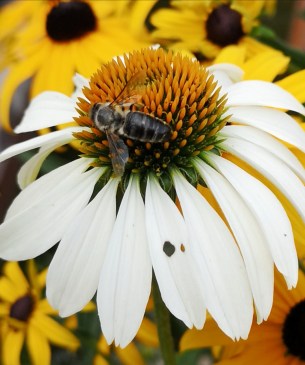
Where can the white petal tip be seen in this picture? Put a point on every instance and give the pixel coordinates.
(18, 129)
(66, 313)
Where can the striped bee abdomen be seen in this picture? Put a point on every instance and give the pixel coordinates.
(145, 128)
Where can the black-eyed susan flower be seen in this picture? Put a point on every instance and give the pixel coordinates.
(50, 40)
(25, 318)
(111, 245)
(200, 26)
(280, 340)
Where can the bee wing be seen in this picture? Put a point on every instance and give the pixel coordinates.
(118, 153)
(133, 90)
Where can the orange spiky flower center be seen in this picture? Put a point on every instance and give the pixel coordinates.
(176, 90)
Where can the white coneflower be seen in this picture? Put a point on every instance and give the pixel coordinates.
(199, 260)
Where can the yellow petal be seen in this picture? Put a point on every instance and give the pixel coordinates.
(11, 348)
(211, 199)
(270, 6)
(90, 307)
(264, 332)
(34, 277)
(265, 66)
(16, 276)
(253, 46)
(71, 322)
(54, 332)
(44, 306)
(295, 85)
(99, 360)
(232, 350)
(150, 305)
(4, 309)
(299, 292)
(103, 9)
(7, 290)
(31, 271)
(139, 13)
(232, 54)
(13, 14)
(129, 355)
(56, 70)
(42, 277)
(250, 8)
(148, 334)
(167, 21)
(211, 335)
(265, 353)
(17, 74)
(103, 346)
(34, 29)
(38, 347)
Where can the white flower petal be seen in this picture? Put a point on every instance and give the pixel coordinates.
(41, 225)
(222, 80)
(267, 142)
(275, 122)
(226, 287)
(268, 211)
(30, 169)
(48, 109)
(227, 71)
(263, 93)
(272, 168)
(125, 281)
(250, 238)
(46, 184)
(74, 272)
(80, 82)
(61, 137)
(177, 273)
(154, 46)
(225, 74)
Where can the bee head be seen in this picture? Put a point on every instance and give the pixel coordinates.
(102, 115)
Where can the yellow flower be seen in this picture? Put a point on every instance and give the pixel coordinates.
(203, 27)
(25, 318)
(54, 39)
(279, 341)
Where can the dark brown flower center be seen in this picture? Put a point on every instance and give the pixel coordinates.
(22, 308)
(224, 26)
(294, 331)
(70, 20)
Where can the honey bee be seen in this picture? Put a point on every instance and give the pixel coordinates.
(117, 120)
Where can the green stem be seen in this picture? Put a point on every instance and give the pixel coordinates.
(163, 324)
